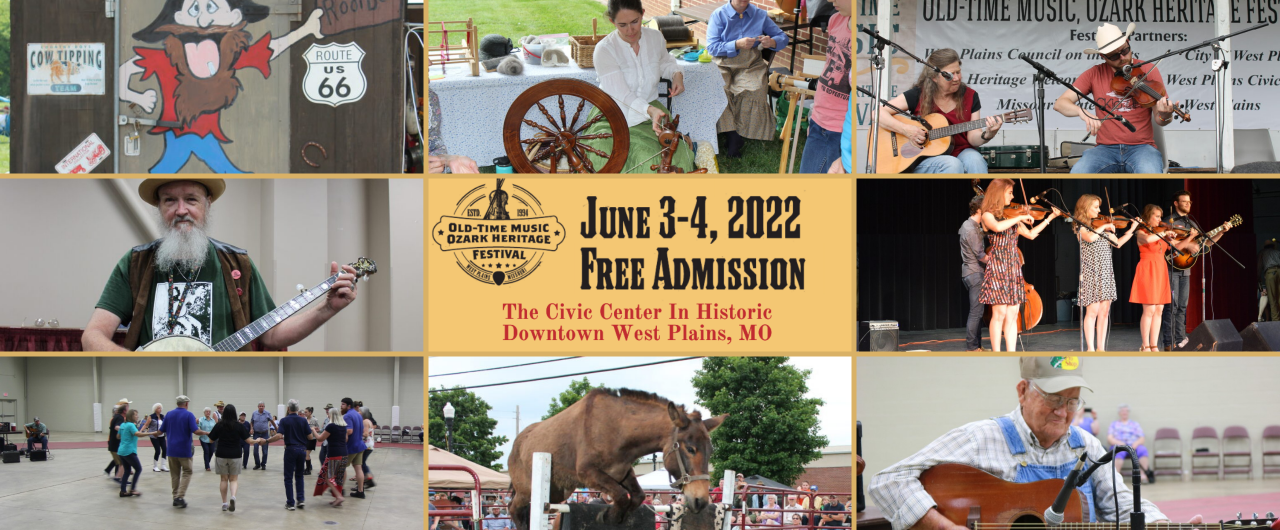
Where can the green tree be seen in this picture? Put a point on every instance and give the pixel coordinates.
(473, 437)
(577, 390)
(772, 429)
(4, 48)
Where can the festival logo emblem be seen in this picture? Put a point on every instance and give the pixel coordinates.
(498, 236)
(1065, 363)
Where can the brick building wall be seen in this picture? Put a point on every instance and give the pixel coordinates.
(654, 8)
(835, 479)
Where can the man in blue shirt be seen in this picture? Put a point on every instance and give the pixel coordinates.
(492, 521)
(736, 35)
(179, 425)
(262, 425)
(295, 431)
(355, 442)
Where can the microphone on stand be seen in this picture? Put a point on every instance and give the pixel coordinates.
(1126, 123)
(1040, 196)
(1037, 65)
(1053, 514)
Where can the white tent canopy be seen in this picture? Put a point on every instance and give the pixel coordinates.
(489, 479)
(657, 480)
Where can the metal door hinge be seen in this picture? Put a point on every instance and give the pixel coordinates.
(111, 8)
(293, 10)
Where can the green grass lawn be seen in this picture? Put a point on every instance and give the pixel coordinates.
(4, 154)
(518, 19)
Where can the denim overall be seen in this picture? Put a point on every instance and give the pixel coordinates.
(1034, 472)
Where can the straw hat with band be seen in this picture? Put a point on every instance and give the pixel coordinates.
(1109, 39)
(1054, 374)
(150, 188)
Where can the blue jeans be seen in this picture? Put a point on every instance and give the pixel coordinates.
(262, 462)
(244, 448)
(295, 458)
(973, 328)
(1173, 323)
(820, 149)
(42, 440)
(364, 463)
(968, 161)
(1121, 159)
(131, 463)
(178, 150)
(207, 447)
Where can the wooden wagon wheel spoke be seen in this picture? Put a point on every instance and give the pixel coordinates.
(531, 123)
(546, 113)
(564, 123)
(544, 151)
(594, 150)
(583, 157)
(589, 123)
(581, 103)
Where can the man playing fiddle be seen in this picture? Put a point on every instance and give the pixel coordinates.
(1118, 150)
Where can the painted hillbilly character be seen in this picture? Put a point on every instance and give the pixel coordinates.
(204, 45)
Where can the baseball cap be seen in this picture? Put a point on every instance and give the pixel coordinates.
(328, 406)
(1054, 374)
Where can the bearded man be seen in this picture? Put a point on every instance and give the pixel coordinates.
(187, 283)
(205, 44)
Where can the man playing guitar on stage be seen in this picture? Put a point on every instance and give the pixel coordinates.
(1118, 150)
(1033, 442)
(1173, 324)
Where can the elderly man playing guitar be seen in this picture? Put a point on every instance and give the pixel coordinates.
(1033, 443)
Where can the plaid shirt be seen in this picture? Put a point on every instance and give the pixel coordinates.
(981, 444)
(1127, 432)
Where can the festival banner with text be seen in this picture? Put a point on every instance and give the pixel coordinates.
(991, 34)
(685, 264)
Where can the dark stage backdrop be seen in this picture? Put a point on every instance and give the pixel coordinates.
(909, 251)
(1231, 291)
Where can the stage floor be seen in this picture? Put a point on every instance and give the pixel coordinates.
(70, 492)
(1063, 336)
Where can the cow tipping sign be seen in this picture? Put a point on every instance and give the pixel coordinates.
(72, 69)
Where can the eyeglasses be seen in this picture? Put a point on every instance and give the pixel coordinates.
(1117, 55)
(1056, 402)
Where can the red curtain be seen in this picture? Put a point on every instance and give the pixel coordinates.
(1229, 291)
(44, 339)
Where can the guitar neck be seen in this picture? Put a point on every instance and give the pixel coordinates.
(952, 130)
(270, 320)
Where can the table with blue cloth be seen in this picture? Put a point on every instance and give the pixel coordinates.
(475, 108)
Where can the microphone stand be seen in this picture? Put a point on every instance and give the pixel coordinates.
(886, 103)
(1138, 219)
(1037, 81)
(1047, 74)
(1206, 245)
(1220, 61)
(1137, 520)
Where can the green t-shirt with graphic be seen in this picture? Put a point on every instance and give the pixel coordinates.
(206, 312)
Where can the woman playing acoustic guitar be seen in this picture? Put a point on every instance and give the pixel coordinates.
(1002, 285)
(959, 103)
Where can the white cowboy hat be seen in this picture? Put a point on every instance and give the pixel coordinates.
(1109, 39)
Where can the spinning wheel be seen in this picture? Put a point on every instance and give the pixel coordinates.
(562, 138)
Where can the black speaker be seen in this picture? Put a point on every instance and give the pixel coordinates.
(9, 447)
(10, 457)
(1214, 335)
(39, 455)
(878, 335)
(1257, 167)
(862, 501)
(1261, 336)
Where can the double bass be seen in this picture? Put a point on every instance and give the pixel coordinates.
(1030, 312)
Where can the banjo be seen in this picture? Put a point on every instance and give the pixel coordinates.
(184, 343)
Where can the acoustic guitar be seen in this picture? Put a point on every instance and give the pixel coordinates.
(183, 343)
(897, 154)
(32, 431)
(1186, 260)
(976, 499)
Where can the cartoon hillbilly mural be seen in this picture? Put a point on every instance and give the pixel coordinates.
(205, 44)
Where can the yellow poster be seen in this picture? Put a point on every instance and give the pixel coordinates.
(639, 264)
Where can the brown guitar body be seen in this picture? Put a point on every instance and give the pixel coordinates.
(967, 495)
(896, 153)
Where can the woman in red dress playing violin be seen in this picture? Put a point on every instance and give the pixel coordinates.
(1151, 281)
(1002, 285)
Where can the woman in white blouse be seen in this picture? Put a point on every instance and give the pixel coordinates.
(630, 61)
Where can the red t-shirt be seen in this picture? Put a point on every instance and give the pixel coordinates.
(154, 61)
(959, 142)
(1096, 81)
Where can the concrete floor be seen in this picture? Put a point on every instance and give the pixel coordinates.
(70, 492)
